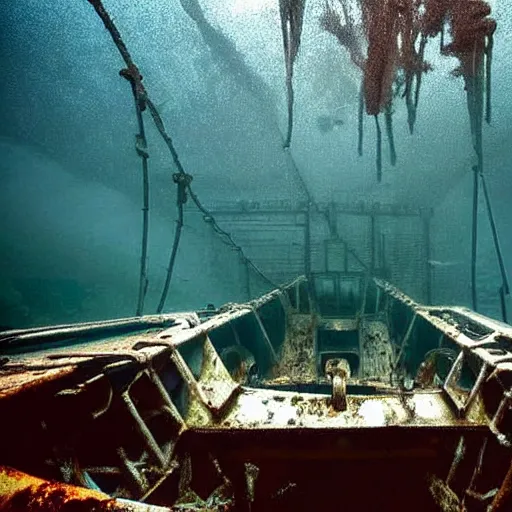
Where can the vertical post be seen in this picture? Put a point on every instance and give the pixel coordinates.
(427, 241)
(474, 239)
(307, 257)
(307, 242)
(377, 300)
(372, 244)
(333, 220)
(247, 279)
(383, 252)
(326, 256)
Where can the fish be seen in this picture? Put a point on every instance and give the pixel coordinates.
(437, 263)
(328, 123)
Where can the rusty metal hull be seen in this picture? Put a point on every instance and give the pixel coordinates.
(236, 410)
(20, 492)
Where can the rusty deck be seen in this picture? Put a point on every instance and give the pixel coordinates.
(179, 412)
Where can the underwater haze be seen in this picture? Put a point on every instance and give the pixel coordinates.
(71, 187)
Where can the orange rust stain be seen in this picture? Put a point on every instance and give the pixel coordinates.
(16, 383)
(22, 492)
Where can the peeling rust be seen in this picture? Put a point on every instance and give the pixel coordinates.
(444, 497)
(377, 350)
(20, 492)
(297, 361)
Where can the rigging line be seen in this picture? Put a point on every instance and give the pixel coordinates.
(141, 148)
(230, 241)
(474, 83)
(143, 279)
(161, 128)
(133, 76)
(145, 101)
(167, 139)
(497, 246)
(181, 181)
(193, 10)
(474, 239)
(488, 64)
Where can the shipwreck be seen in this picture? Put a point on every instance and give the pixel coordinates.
(337, 384)
(288, 401)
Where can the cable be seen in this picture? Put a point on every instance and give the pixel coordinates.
(182, 180)
(141, 147)
(143, 102)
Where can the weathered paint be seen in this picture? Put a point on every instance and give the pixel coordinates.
(269, 409)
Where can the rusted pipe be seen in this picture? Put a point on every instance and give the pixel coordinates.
(495, 424)
(457, 459)
(149, 441)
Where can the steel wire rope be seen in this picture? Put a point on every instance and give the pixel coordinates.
(141, 148)
(184, 181)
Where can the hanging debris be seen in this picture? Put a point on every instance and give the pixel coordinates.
(411, 60)
(388, 115)
(472, 40)
(388, 45)
(378, 156)
(360, 123)
(472, 33)
(292, 13)
(348, 34)
(381, 29)
(377, 68)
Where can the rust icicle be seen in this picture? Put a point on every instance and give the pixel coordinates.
(292, 13)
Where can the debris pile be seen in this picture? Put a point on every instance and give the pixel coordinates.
(377, 351)
(297, 361)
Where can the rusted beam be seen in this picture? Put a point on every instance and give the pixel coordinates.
(503, 500)
(21, 492)
(406, 339)
(147, 437)
(266, 337)
(17, 336)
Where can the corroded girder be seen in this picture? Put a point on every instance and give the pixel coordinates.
(20, 492)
